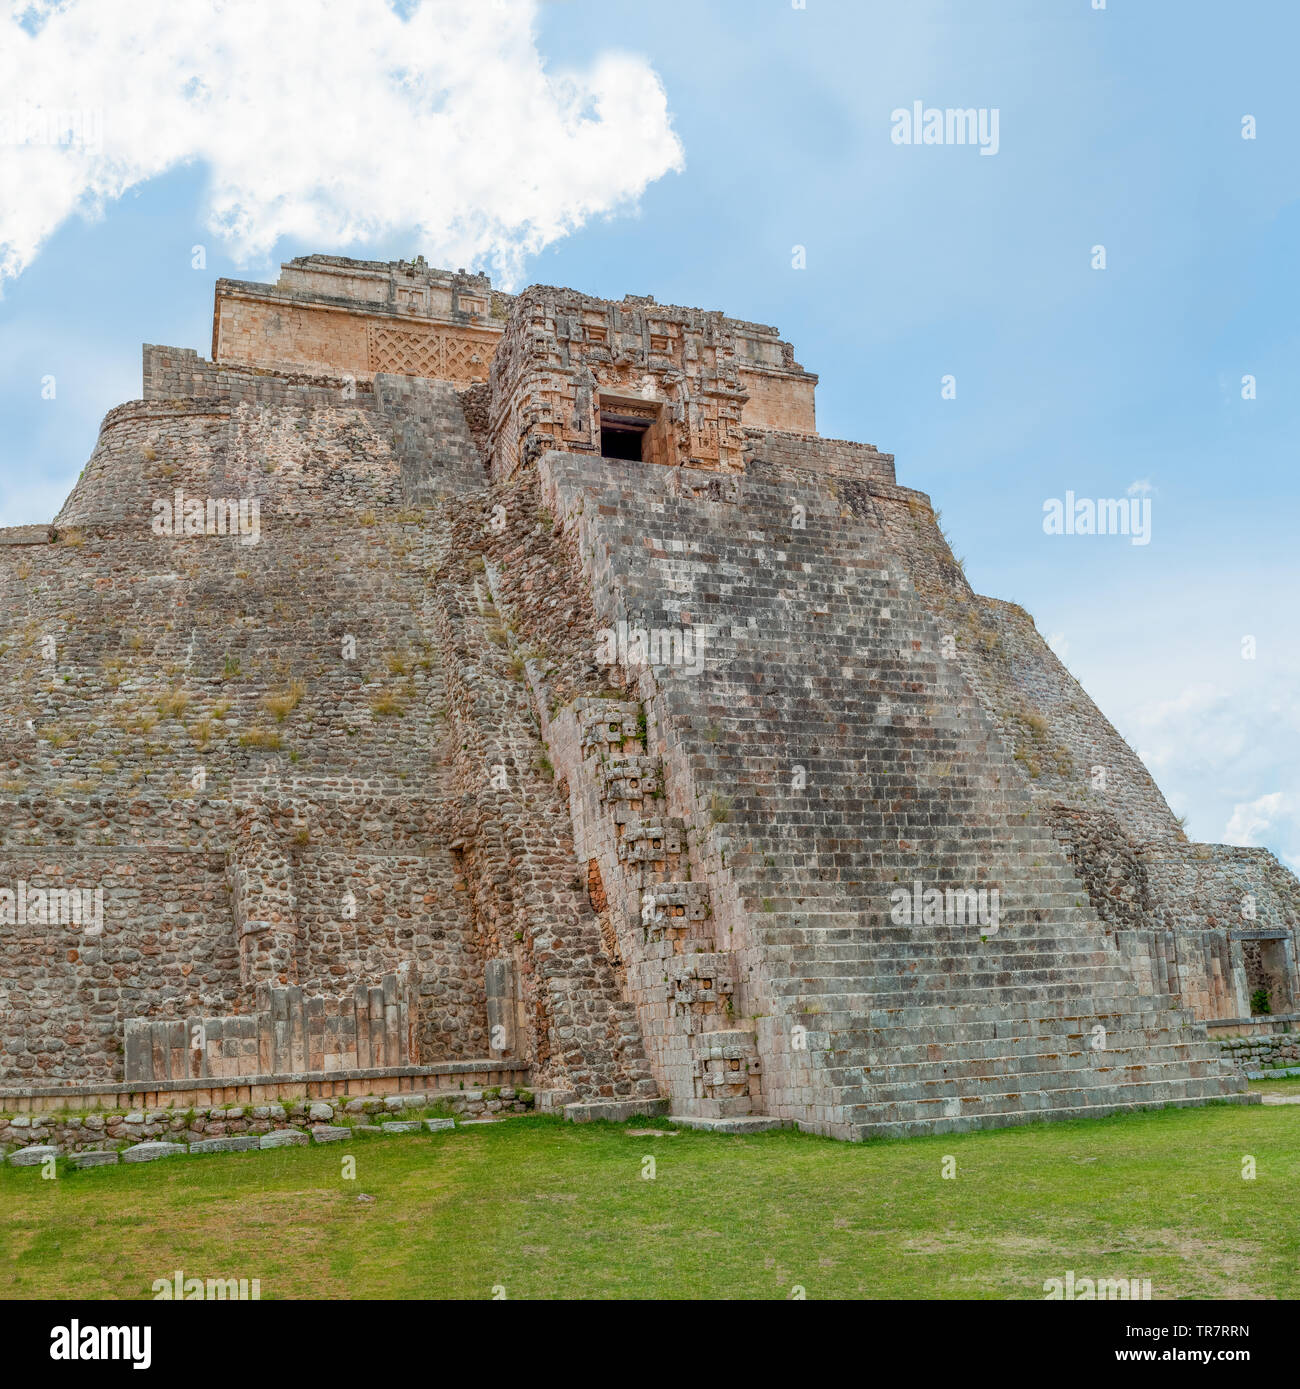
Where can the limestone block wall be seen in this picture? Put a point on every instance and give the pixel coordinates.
(229, 737)
(409, 909)
(248, 330)
(233, 1109)
(781, 394)
(778, 400)
(187, 930)
(1235, 888)
(1202, 968)
(1185, 900)
(275, 336)
(1263, 1051)
(139, 659)
(793, 454)
(359, 318)
(288, 1033)
(1250, 906)
(411, 285)
(339, 882)
(1097, 766)
(294, 460)
(435, 449)
(179, 373)
(1214, 921)
(142, 666)
(163, 943)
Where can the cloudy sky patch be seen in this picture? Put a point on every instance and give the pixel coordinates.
(330, 123)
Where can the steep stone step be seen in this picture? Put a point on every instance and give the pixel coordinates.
(821, 660)
(1017, 1112)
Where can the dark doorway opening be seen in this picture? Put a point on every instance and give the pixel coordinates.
(623, 438)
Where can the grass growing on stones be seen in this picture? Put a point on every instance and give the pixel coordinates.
(548, 1209)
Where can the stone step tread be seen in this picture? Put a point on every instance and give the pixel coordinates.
(874, 1091)
(1045, 1098)
(918, 1127)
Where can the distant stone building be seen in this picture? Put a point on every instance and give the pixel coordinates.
(444, 688)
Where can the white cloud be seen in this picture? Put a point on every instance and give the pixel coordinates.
(1219, 752)
(329, 121)
(1252, 819)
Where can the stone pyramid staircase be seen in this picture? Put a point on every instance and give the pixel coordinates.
(664, 938)
(854, 760)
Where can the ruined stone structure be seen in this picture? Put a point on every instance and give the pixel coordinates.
(444, 688)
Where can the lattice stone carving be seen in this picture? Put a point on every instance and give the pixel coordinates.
(410, 352)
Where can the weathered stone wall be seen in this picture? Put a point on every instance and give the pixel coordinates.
(1064, 747)
(1214, 921)
(498, 609)
(114, 1129)
(1231, 887)
(180, 374)
(435, 449)
(1272, 1052)
(295, 460)
(377, 733)
(165, 945)
(795, 454)
(360, 318)
(566, 357)
(280, 711)
(371, 1025)
(1108, 863)
(778, 400)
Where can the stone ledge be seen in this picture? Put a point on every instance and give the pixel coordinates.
(615, 1111)
(241, 1143)
(1257, 1020)
(284, 1138)
(33, 1156)
(27, 535)
(207, 1091)
(218, 1129)
(106, 1157)
(37, 1154)
(151, 1152)
(745, 1123)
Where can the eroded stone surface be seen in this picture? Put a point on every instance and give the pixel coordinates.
(93, 1159)
(151, 1152)
(33, 1155)
(566, 707)
(238, 1144)
(284, 1138)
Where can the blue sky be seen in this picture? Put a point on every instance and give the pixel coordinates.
(1119, 127)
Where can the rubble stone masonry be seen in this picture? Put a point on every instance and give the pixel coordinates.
(440, 682)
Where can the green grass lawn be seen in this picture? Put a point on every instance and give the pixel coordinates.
(547, 1209)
